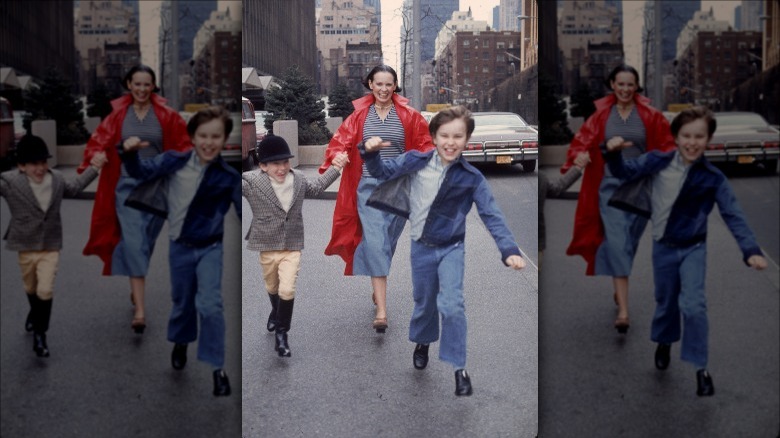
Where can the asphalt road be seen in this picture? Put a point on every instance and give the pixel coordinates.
(101, 378)
(343, 379)
(594, 382)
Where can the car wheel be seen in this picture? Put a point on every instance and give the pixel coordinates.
(528, 166)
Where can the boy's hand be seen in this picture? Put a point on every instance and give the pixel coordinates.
(375, 143)
(582, 159)
(134, 143)
(340, 160)
(98, 160)
(617, 143)
(515, 262)
(757, 262)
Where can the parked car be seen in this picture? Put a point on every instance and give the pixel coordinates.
(427, 115)
(503, 138)
(248, 135)
(232, 152)
(744, 138)
(260, 129)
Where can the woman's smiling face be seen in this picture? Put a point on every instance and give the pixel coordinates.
(382, 87)
(624, 87)
(141, 86)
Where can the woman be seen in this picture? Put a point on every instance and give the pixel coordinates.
(124, 237)
(604, 236)
(363, 236)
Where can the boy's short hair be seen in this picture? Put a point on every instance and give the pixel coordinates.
(208, 114)
(688, 115)
(449, 114)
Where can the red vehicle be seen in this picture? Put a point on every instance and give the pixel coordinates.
(248, 134)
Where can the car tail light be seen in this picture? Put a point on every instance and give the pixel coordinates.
(232, 147)
(531, 144)
(715, 146)
(771, 144)
(475, 146)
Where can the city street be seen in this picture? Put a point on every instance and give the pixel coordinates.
(101, 378)
(343, 379)
(599, 383)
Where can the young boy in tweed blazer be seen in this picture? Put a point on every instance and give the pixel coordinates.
(275, 193)
(34, 194)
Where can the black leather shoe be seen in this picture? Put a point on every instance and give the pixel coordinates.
(704, 385)
(221, 383)
(179, 356)
(39, 345)
(462, 383)
(271, 324)
(662, 356)
(281, 344)
(420, 356)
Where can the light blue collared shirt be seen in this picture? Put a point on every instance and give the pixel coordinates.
(666, 187)
(182, 186)
(425, 186)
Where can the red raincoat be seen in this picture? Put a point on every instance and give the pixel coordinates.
(588, 228)
(347, 231)
(104, 233)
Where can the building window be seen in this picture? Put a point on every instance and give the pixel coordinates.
(485, 69)
(466, 43)
(500, 45)
(466, 69)
(485, 43)
(485, 56)
(466, 56)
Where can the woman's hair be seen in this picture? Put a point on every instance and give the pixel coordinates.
(382, 68)
(623, 68)
(449, 114)
(144, 69)
(208, 114)
(692, 114)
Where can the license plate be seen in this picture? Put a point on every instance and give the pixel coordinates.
(504, 159)
(745, 159)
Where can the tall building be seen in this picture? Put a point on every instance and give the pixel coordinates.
(343, 22)
(771, 31)
(581, 23)
(192, 14)
(460, 22)
(507, 15)
(750, 12)
(98, 23)
(361, 58)
(266, 34)
(33, 37)
(702, 21)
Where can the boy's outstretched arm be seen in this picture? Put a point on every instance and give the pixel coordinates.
(496, 225)
(145, 169)
(77, 184)
(735, 220)
(318, 185)
(515, 262)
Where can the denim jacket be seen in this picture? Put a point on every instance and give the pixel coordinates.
(219, 187)
(704, 186)
(463, 186)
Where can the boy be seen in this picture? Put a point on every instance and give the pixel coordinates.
(34, 194)
(276, 194)
(201, 187)
(685, 187)
(435, 191)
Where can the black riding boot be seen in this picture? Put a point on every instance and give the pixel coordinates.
(40, 326)
(283, 317)
(33, 300)
(272, 320)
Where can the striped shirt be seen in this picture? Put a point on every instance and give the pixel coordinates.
(389, 129)
(632, 129)
(147, 130)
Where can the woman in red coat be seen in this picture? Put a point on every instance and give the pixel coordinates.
(124, 237)
(363, 236)
(604, 236)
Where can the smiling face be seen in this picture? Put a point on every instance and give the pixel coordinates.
(451, 139)
(209, 139)
(382, 87)
(277, 170)
(692, 139)
(35, 170)
(624, 87)
(141, 86)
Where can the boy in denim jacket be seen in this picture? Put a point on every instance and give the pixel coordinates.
(435, 191)
(685, 188)
(201, 187)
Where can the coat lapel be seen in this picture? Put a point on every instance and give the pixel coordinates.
(24, 187)
(264, 184)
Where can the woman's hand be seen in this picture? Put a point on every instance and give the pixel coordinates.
(617, 143)
(581, 160)
(375, 143)
(515, 262)
(98, 160)
(340, 160)
(134, 143)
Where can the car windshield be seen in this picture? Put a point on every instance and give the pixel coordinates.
(740, 120)
(493, 121)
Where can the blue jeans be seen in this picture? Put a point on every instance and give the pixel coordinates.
(437, 279)
(679, 289)
(196, 280)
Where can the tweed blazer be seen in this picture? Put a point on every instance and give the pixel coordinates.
(30, 228)
(272, 228)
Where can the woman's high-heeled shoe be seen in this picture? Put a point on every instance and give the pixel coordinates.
(380, 325)
(622, 325)
(138, 325)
